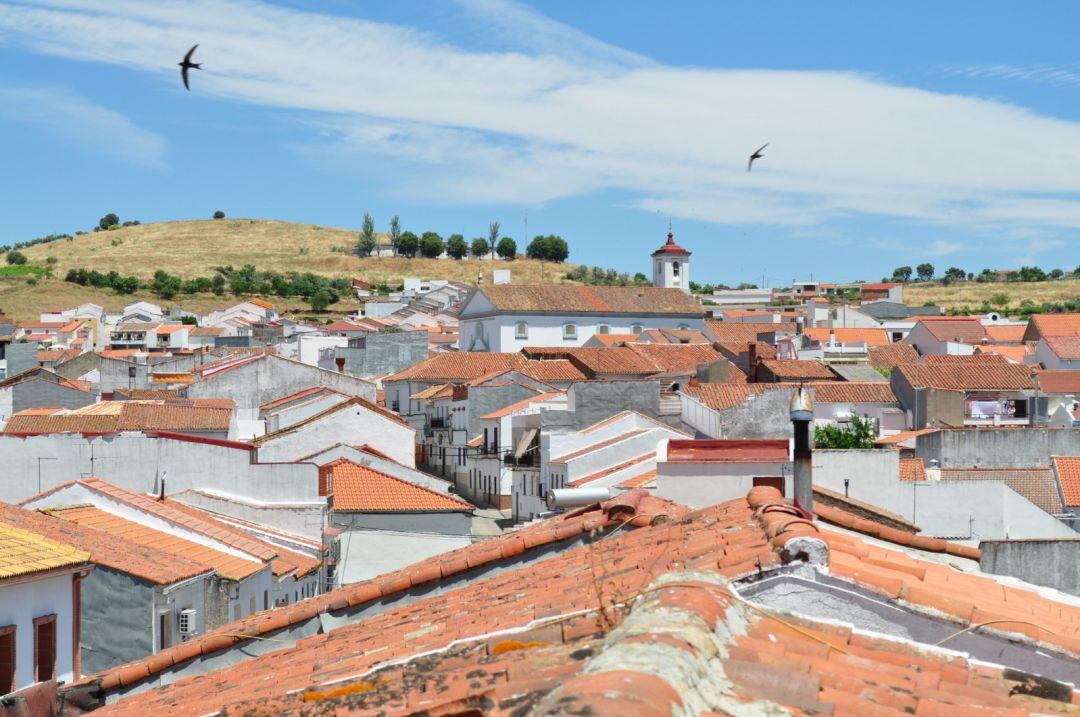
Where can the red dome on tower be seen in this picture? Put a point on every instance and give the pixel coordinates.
(670, 247)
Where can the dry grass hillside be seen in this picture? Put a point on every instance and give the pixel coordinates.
(194, 248)
(972, 294)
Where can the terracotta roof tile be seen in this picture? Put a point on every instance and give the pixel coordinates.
(722, 396)
(1008, 334)
(458, 366)
(790, 369)
(761, 450)
(633, 624)
(25, 553)
(1041, 325)
(885, 358)
(733, 331)
(1066, 348)
(552, 370)
(1035, 484)
(397, 628)
(226, 565)
(1067, 469)
(360, 489)
(570, 299)
(853, 392)
(1060, 381)
(912, 469)
(951, 328)
(870, 337)
(973, 376)
(523, 404)
(104, 548)
(964, 359)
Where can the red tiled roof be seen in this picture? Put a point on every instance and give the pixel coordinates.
(972, 376)
(1067, 469)
(547, 640)
(912, 469)
(761, 450)
(1042, 325)
(458, 366)
(228, 566)
(978, 358)
(729, 331)
(343, 325)
(1010, 333)
(614, 339)
(678, 358)
(570, 299)
(172, 417)
(206, 331)
(166, 329)
(885, 358)
(630, 510)
(721, 396)
(184, 518)
(524, 403)
(1066, 348)
(1035, 484)
(552, 370)
(360, 489)
(903, 436)
(598, 362)
(791, 369)
(853, 392)
(1060, 381)
(967, 330)
(670, 247)
(1014, 354)
(870, 337)
(157, 566)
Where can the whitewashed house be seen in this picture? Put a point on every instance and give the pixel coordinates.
(39, 613)
(700, 473)
(508, 318)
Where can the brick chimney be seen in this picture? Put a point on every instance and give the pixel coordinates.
(751, 360)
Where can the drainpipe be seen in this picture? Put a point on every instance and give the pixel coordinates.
(802, 414)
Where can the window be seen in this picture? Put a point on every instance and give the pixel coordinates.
(266, 599)
(684, 327)
(569, 331)
(164, 630)
(44, 648)
(7, 659)
(603, 329)
(521, 330)
(674, 268)
(637, 329)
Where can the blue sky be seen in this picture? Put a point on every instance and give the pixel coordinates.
(947, 132)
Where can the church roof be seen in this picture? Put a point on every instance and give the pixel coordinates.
(670, 247)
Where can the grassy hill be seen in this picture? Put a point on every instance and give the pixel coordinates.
(193, 248)
(972, 295)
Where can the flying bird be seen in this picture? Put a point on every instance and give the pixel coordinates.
(186, 65)
(756, 155)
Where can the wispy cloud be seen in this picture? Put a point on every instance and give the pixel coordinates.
(940, 247)
(70, 116)
(1060, 75)
(557, 113)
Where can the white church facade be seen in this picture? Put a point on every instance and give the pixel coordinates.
(508, 318)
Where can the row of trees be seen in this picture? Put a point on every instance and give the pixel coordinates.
(926, 272)
(318, 290)
(107, 222)
(431, 245)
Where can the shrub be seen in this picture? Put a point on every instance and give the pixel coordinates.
(109, 220)
(320, 300)
(860, 434)
(15, 257)
(219, 214)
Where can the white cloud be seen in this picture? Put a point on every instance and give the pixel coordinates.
(565, 114)
(75, 118)
(944, 248)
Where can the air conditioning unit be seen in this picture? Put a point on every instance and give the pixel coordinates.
(187, 621)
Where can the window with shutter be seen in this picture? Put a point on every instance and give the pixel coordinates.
(44, 648)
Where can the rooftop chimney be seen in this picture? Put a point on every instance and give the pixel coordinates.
(340, 361)
(802, 414)
(751, 360)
